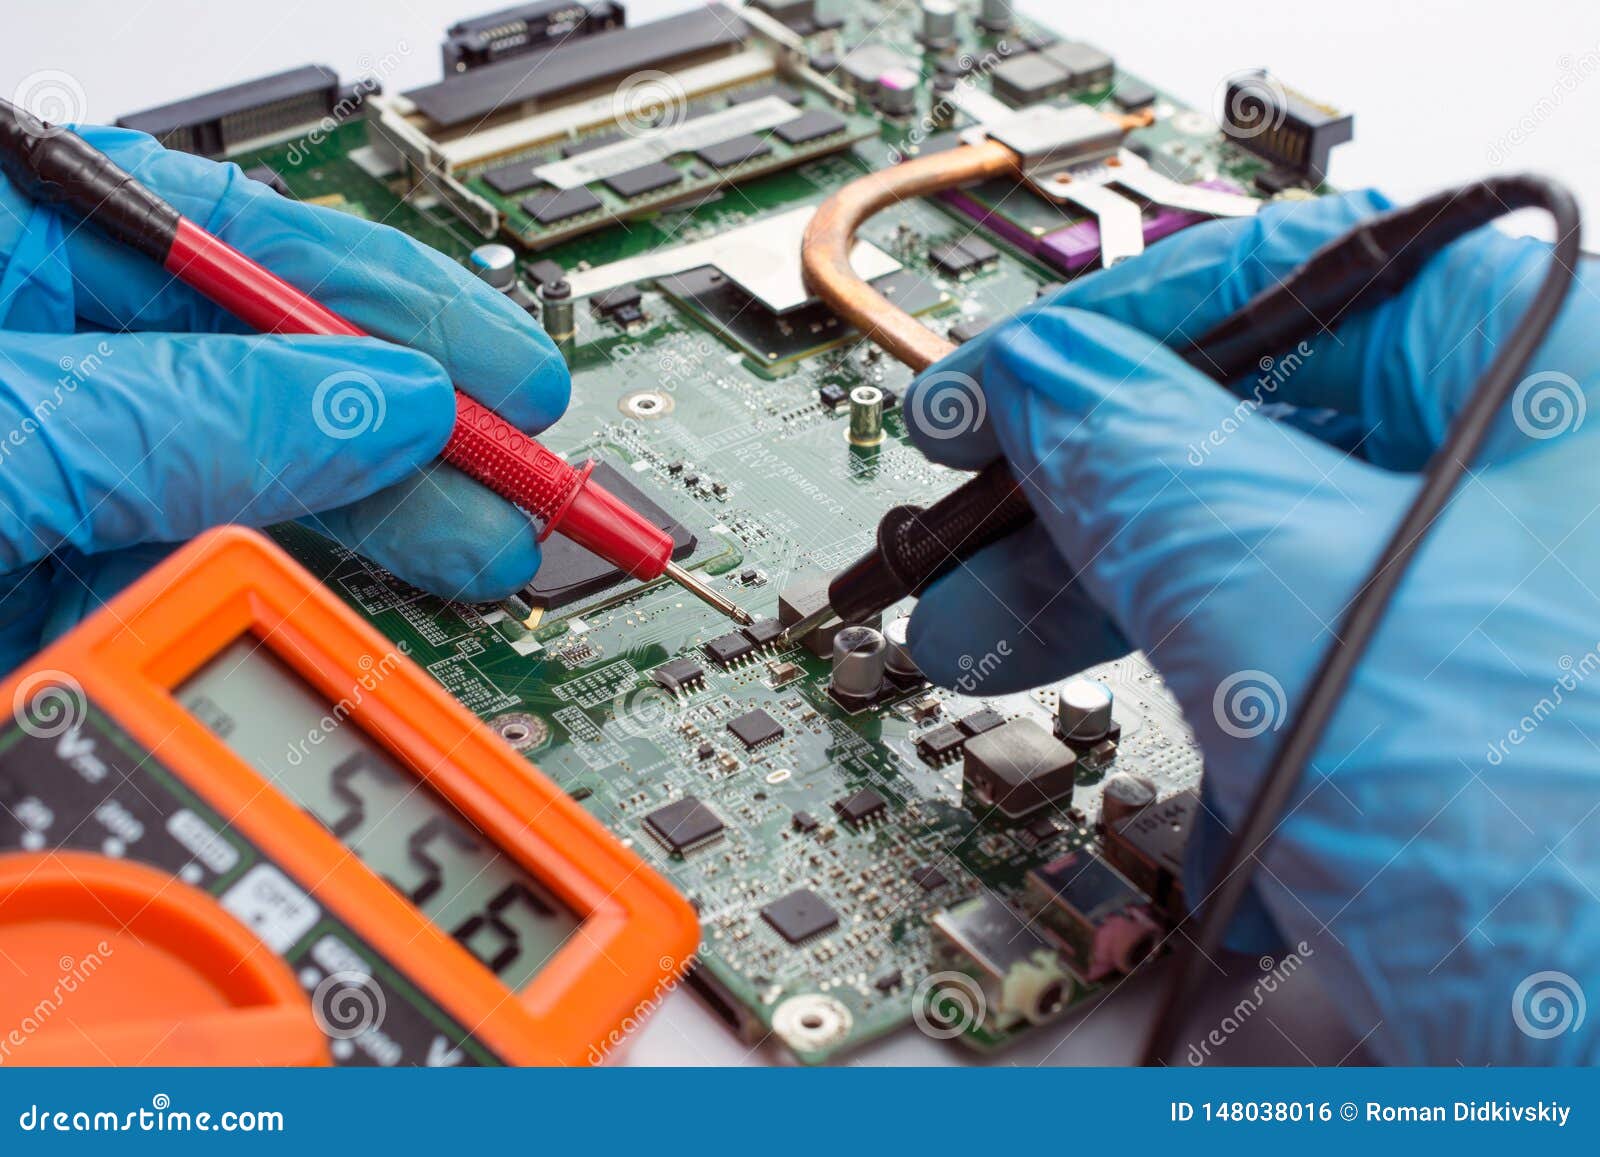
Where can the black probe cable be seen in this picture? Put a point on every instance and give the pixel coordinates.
(1392, 248)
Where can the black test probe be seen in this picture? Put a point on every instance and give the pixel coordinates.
(917, 545)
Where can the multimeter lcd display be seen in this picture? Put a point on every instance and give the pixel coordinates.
(320, 758)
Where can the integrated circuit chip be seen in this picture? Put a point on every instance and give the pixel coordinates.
(544, 271)
(729, 648)
(676, 674)
(800, 915)
(590, 143)
(811, 125)
(963, 257)
(763, 631)
(754, 728)
(645, 179)
(726, 154)
(964, 331)
(1131, 95)
(684, 824)
(985, 719)
(549, 206)
(568, 573)
(928, 878)
(512, 178)
(861, 806)
(940, 742)
(761, 91)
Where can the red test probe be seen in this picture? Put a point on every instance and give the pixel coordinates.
(58, 167)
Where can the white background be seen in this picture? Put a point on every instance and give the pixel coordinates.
(1442, 91)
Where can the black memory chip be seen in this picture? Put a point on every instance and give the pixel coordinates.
(726, 154)
(761, 91)
(512, 178)
(809, 126)
(683, 824)
(644, 179)
(551, 206)
(754, 728)
(568, 573)
(800, 915)
(590, 144)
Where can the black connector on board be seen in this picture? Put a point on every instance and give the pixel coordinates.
(214, 123)
(523, 28)
(1293, 132)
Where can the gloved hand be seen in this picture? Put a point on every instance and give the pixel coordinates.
(135, 414)
(1442, 857)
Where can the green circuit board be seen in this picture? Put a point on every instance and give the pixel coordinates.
(776, 491)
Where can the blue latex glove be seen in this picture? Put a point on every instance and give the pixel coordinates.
(134, 414)
(1444, 850)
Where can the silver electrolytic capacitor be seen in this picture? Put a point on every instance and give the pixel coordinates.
(1125, 795)
(866, 416)
(1083, 710)
(557, 315)
(897, 92)
(899, 662)
(495, 265)
(996, 16)
(859, 657)
(938, 23)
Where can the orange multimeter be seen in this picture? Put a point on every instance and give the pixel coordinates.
(239, 827)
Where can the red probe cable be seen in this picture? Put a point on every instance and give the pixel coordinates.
(62, 168)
